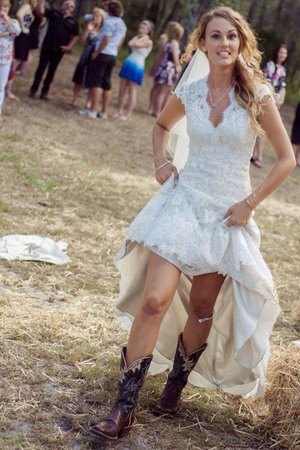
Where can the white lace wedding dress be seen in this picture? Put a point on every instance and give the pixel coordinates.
(184, 223)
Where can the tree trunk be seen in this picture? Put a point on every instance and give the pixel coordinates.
(177, 12)
(80, 9)
(252, 11)
(191, 20)
(279, 9)
(262, 16)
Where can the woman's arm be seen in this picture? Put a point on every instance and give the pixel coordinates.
(137, 42)
(21, 13)
(171, 114)
(271, 123)
(175, 53)
(87, 30)
(275, 131)
(71, 44)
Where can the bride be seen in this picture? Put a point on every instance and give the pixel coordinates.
(194, 287)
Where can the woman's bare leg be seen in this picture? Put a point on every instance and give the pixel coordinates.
(151, 98)
(162, 91)
(9, 93)
(124, 83)
(95, 97)
(76, 92)
(161, 282)
(132, 98)
(204, 292)
(88, 102)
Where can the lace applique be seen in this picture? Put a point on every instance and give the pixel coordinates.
(264, 92)
(180, 93)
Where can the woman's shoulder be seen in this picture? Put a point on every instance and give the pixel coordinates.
(263, 90)
(189, 90)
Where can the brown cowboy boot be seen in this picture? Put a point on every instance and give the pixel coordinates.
(121, 418)
(169, 400)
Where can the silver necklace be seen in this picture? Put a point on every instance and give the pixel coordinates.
(214, 104)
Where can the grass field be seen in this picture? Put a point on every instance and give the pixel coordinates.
(83, 181)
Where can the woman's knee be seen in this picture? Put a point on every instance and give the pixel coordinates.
(202, 306)
(154, 305)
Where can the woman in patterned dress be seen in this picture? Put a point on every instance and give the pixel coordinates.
(169, 68)
(275, 72)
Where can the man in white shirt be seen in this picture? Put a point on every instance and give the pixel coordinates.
(103, 60)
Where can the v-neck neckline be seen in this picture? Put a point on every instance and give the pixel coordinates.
(209, 108)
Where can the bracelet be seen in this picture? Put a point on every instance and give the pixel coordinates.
(249, 203)
(163, 165)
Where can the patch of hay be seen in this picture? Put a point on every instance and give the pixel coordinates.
(282, 424)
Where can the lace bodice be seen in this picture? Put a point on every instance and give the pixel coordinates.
(219, 156)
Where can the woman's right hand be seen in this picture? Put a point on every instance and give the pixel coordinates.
(163, 174)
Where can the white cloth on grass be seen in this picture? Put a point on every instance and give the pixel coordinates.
(33, 248)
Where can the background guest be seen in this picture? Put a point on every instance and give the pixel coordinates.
(275, 72)
(132, 70)
(62, 35)
(296, 135)
(9, 29)
(163, 38)
(104, 59)
(168, 68)
(22, 43)
(89, 37)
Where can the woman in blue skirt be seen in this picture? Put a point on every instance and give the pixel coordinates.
(132, 70)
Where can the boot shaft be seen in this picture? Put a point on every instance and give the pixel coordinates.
(184, 364)
(131, 380)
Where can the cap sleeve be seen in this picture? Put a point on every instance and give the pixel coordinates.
(181, 92)
(264, 91)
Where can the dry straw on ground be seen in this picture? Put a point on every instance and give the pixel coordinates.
(281, 424)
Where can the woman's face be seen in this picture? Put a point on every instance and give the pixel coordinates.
(282, 55)
(97, 19)
(221, 42)
(4, 8)
(143, 29)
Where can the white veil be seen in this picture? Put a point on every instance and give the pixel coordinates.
(179, 141)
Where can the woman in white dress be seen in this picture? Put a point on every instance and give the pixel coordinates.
(191, 271)
(132, 70)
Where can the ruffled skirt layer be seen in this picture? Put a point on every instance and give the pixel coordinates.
(186, 227)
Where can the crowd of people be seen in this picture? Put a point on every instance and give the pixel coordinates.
(102, 37)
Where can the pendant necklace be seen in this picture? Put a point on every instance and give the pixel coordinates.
(214, 104)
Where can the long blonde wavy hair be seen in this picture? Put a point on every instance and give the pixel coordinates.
(247, 72)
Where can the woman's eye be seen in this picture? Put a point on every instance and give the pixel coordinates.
(232, 36)
(215, 36)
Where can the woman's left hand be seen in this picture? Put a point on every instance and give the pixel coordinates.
(239, 214)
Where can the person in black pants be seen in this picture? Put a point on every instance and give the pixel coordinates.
(61, 36)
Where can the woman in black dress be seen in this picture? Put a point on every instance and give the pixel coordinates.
(296, 135)
(89, 37)
(22, 43)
